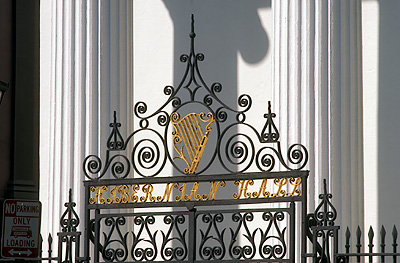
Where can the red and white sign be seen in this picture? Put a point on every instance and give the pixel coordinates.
(21, 227)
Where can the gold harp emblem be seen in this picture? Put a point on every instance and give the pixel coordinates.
(194, 137)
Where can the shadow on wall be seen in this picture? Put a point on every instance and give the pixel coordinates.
(388, 112)
(224, 29)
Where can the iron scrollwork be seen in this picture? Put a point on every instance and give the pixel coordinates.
(233, 151)
(120, 244)
(138, 252)
(115, 249)
(207, 252)
(273, 250)
(325, 213)
(174, 252)
(237, 251)
(254, 235)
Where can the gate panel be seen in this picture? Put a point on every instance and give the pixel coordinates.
(259, 235)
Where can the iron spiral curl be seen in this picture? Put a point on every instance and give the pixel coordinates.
(115, 249)
(239, 251)
(148, 155)
(140, 108)
(177, 252)
(277, 247)
(92, 166)
(325, 214)
(69, 220)
(238, 151)
(139, 252)
(221, 114)
(207, 252)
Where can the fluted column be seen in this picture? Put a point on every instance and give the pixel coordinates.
(86, 62)
(318, 95)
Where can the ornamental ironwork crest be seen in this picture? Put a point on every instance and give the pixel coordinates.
(195, 151)
(236, 145)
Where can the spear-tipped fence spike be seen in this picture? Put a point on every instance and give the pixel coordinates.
(358, 237)
(348, 235)
(40, 245)
(370, 234)
(394, 234)
(371, 240)
(50, 240)
(358, 233)
(383, 234)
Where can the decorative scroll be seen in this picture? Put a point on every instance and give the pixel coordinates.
(237, 251)
(170, 251)
(256, 235)
(273, 246)
(184, 191)
(217, 251)
(115, 140)
(144, 249)
(325, 213)
(69, 220)
(270, 132)
(189, 131)
(147, 150)
(142, 244)
(115, 248)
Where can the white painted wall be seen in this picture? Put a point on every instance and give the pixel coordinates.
(381, 60)
(370, 29)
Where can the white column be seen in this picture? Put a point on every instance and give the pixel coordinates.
(318, 95)
(86, 69)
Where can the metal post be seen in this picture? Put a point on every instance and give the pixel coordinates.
(96, 239)
(292, 232)
(87, 227)
(304, 221)
(192, 235)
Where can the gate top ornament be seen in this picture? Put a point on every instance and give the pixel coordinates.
(234, 147)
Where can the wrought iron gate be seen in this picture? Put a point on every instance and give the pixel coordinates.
(195, 183)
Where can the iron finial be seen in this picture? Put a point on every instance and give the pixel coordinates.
(270, 133)
(192, 34)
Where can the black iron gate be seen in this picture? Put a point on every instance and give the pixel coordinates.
(195, 182)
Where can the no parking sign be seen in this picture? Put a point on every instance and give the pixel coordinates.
(21, 227)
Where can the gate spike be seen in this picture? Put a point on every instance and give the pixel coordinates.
(40, 245)
(371, 239)
(50, 239)
(370, 234)
(358, 236)
(383, 234)
(394, 234)
(348, 235)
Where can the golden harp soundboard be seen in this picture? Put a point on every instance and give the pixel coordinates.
(193, 131)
